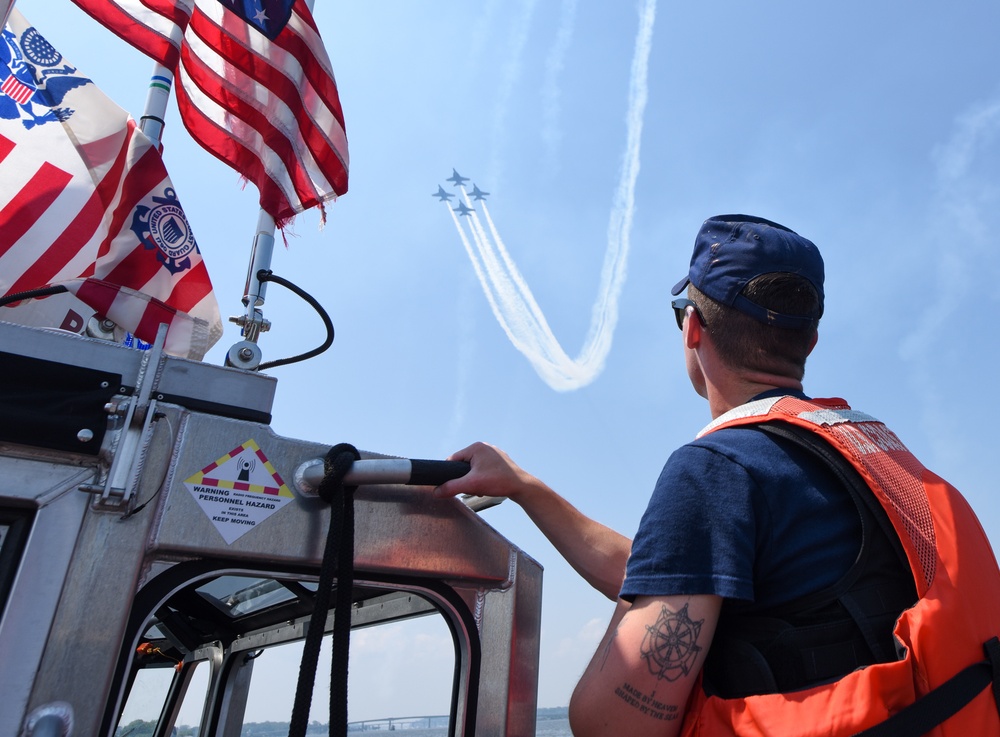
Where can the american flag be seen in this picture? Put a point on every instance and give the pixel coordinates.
(85, 202)
(254, 87)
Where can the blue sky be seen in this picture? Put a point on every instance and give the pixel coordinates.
(869, 127)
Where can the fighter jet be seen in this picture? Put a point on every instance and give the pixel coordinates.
(442, 195)
(462, 209)
(478, 194)
(456, 178)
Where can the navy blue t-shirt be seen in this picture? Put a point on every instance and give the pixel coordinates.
(744, 515)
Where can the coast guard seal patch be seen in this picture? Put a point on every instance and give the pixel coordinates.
(163, 227)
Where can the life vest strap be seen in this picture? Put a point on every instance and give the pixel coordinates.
(946, 700)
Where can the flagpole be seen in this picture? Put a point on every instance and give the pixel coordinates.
(152, 121)
(5, 6)
(245, 354)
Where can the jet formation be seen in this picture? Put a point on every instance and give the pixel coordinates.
(458, 180)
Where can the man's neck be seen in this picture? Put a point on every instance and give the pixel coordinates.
(740, 388)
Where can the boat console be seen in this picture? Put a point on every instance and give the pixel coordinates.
(152, 524)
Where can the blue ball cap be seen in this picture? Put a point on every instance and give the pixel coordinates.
(731, 250)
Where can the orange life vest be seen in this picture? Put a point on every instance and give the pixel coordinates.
(956, 578)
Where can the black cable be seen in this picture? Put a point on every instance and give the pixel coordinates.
(32, 293)
(156, 418)
(265, 275)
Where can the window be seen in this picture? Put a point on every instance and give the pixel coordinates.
(401, 675)
(245, 634)
(149, 701)
(14, 527)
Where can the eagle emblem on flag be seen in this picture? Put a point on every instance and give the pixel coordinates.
(32, 81)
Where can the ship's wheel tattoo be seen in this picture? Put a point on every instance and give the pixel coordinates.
(670, 646)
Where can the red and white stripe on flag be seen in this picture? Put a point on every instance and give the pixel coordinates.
(270, 109)
(85, 201)
(17, 90)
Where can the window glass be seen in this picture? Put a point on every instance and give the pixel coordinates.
(149, 695)
(14, 528)
(189, 717)
(145, 702)
(239, 595)
(400, 672)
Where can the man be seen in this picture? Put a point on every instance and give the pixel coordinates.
(762, 591)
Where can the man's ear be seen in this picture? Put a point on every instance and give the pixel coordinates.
(812, 343)
(692, 330)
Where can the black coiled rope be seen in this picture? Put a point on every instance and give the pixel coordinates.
(338, 564)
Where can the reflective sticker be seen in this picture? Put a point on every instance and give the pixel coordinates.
(239, 490)
(756, 408)
(835, 416)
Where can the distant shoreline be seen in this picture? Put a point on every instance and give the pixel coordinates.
(552, 712)
(280, 729)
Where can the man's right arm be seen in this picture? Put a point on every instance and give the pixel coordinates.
(639, 679)
(595, 551)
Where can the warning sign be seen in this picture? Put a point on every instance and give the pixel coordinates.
(239, 490)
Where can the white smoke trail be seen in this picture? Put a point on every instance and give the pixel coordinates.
(529, 335)
(605, 314)
(554, 64)
(511, 73)
(510, 297)
(510, 273)
(494, 287)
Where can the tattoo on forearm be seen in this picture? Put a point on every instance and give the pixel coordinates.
(670, 646)
(647, 703)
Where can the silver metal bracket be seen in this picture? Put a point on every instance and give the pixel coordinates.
(244, 355)
(138, 411)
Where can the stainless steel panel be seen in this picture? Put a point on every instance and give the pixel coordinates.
(176, 377)
(63, 347)
(232, 387)
(396, 528)
(30, 611)
(84, 565)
